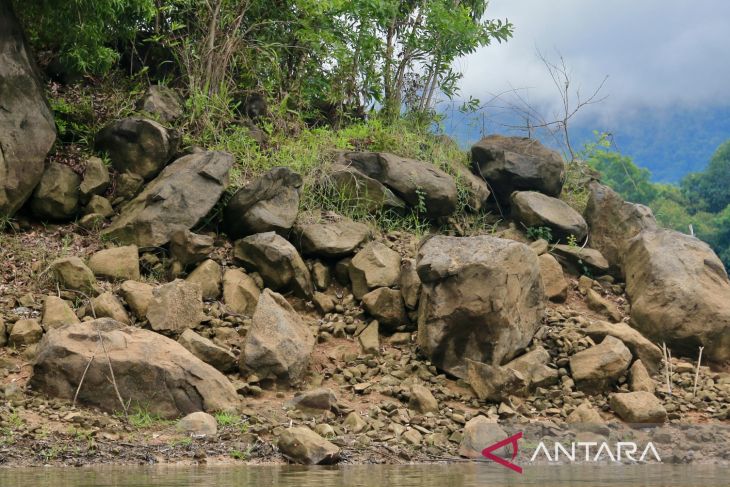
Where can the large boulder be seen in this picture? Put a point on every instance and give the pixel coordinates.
(278, 262)
(535, 209)
(57, 195)
(640, 347)
(614, 222)
(302, 445)
(359, 190)
(417, 183)
(679, 293)
(534, 368)
(638, 407)
(279, 343)
(175, 306)
(189, 248)
(27, 128)
(386, 306)
(482, 299)
(240, 292)
(163, 102)
(598, 367)
(57, 312)
(116, 263)
(179, 198)
(374, 266)
(269, 203)
(332, 239)
(553, 279)
(137, 145)
(150, 371)
(493, 382)
(72, 273)
(517, 164)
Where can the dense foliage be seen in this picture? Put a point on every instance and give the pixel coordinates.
(328, 55)
(701, 202)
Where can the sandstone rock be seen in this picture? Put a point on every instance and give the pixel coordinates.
(517, 164)
(614, 222)
(369, 339)
(386, 306)
(412, 437)
(116, 263)
(128, 186)
(198, 423)
(553, 279)
(479, 433)
(540, 246)
(190, 248)
(482, 299)
(374, 266)
(360, 190)
(175, 306)
(278, 262)
(270, 203)
(639, 378)
(422, 400)
(107, 305)
(138, 296)
(72, 273)
(91, 222)
(475, 186)
(410, 283)
(162, 102)
(603, 306)
(178, 198)
(322, 399)
(597, 367)
(57, 195)
(25, 332)
(137, 145)
(95, 180)
(577, 260)
(354, 423)
(324, 303)
(586, 418)
(535, 209)
(207, 351)
(320, 275)
(533, 366)
(27, 127)
(208, 276)
(640, 347)
(679, 293)
(57, 312)
(240, 292)
(149, 370)
(302, 445)
(279, 343)
(638, 407)
(493, 382)
(331, 240)
(100, 206)
(415, 182)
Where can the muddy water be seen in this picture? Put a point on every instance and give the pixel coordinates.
(455, 475)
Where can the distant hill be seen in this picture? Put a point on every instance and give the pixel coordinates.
(670, 142)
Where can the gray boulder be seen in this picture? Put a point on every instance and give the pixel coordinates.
(386, 306)
(27, 128)
(535, 209)
(374, 266)
(415, 182)
(332, 239)
(189, 248)
(279, 343)
(679, 293)
(207, 351)
(175, 306)
(57, 195)
(482, 299)
(614, 222)
(276, 260)
(302, 445)
(270, 203)
(179, 198)
(162, 102)
(150, 371)
(95, 180)
(492, 382)
(517, 164)
(360, 191)
(137, 145)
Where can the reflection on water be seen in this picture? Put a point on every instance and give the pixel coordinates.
(455, 475)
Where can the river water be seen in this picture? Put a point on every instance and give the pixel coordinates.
(454, 475)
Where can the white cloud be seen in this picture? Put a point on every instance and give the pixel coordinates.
(656, 53)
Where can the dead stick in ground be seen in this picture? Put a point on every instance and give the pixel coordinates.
(83, 376)
(697, 373)
(111, 371)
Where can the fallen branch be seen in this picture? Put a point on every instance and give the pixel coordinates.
(83, 376)
(113, 379)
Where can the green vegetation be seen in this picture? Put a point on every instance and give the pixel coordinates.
(141, 418)
(702, 200)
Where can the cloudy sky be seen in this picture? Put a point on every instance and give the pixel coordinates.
(656, 53)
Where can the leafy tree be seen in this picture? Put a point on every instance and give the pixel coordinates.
(83, 33)
(709, 190)
(623, 175)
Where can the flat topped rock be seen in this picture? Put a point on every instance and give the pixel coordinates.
(535, 209)
(334, 239)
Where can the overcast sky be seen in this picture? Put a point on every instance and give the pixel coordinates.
(657, 53)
